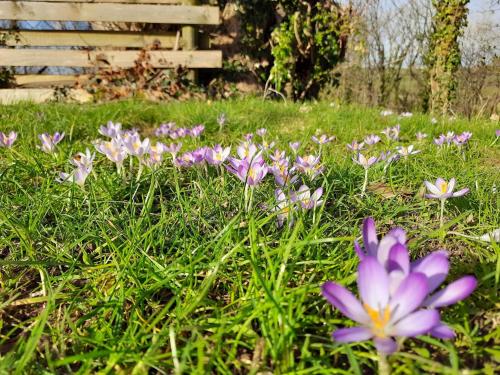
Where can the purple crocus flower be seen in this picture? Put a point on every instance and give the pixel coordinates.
(372, 139)
(246, 150)
(406, 151)
(265, 146)
(114, 151)
(443, 189)
(309, 165)
(261, 132)
(173, 149)
(111, 129)
(248, 137)
(221, 120)
(49, 142)
(134, 146)
(497, 132)
(322, 139)
(363, 161)
(399, 298)
(83, 160)
(197, 130)
(199, 154)
(186, 160)
(278, 155)
(164, 129)
(250, 172)
(462, 139)
(84, 164)
(355, 146)
(392, 133)
(155, 154)
(7, 140)
(283, 175)
(294, 146)
(307, 200)
(284, 208)
(217, 155)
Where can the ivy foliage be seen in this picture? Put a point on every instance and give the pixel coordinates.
(303, 40)
(444, 58)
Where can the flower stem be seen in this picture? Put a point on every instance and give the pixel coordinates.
(383, 365)
(365, 183)
(441, 215)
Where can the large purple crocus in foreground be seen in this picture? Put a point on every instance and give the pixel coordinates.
(398, 298)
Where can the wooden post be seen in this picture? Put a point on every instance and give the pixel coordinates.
(190, 40)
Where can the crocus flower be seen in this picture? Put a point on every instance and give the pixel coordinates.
(78, 176)
(155, 154)
(199, 154)
(111, 129)
(197, 130)
(397, 297)
(266, 145)
(386, 112)
(309, 165)
(391, 252)
(322, 139)
(186, 160)
(420, 136)
(250, 172)
(261, 132)
(406, 151)
(462, 139)
(434, 121)
(283, 175)
(406, 114)
(363, 161)
(164, 129)
(443, 190)
(7, 140)
(294, 146)
(372, 139)
(83, 160)
(366, 164)
(277, 155)
(246, 150)
(305, 199)
(173, 149)
(392, 133)
(284, 208)
(49, 142)
(354, 146)
(221, 120)
(248, 137)
(114, 151)
(497, 132)
(217, 155)
(134, 146)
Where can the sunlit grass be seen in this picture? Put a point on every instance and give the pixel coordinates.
(112, 278)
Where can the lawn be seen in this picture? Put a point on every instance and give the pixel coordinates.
(167, 273)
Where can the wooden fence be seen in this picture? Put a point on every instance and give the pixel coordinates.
(119, 49)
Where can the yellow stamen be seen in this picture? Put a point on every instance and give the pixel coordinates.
(379, 320)
(443, 187)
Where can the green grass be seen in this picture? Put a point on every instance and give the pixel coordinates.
(169, 275)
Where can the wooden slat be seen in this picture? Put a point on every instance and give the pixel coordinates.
(169, 2)
(119, 59)
(48, 80)
(11, 96)
(106, 12)
(52, 38)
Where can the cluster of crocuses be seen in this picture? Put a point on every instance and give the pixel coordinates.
(452, 138)
(83, 163)
(171, 130)
(399, 298)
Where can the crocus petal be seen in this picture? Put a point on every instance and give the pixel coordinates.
(399, 234)
(415, 324)
(456, 291)
(373, 283)
(432, 196)
(370, 236)
(358, 250)
(345, 301)
(386, 346)
(442, 331)
(460, 192)
(353, 334)
(432, 188)
(451, 185)
(409, 296)
(435, 266)
(384, 248)
(399, 258)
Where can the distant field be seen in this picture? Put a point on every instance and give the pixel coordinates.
(168, 273)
